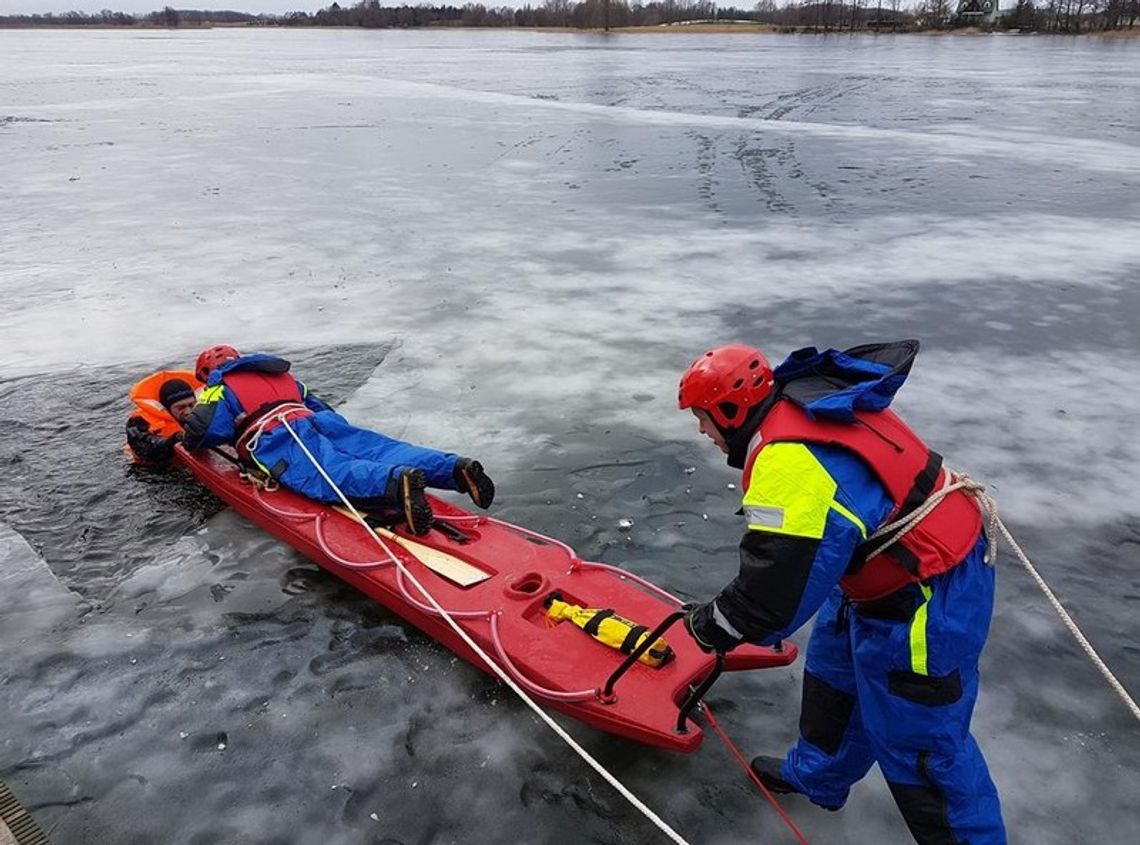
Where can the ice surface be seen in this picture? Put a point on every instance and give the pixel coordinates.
(509, 245)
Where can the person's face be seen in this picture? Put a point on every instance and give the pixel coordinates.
(709, 429)
(181, 409)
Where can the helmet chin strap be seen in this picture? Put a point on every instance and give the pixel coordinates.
(738, 438)
(727, 433)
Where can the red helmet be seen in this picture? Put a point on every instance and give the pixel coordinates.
(213, 358)
(726, 383)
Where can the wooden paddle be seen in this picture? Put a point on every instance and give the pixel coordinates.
(449, 566)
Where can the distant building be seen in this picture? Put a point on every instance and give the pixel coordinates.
(979, 11)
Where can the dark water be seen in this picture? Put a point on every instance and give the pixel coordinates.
(510, 245)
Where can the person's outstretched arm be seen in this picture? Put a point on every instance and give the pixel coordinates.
(799, 543)
(213, 422)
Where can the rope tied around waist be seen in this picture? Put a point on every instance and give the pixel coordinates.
(951, 482)
(252, 435)
(993, 527)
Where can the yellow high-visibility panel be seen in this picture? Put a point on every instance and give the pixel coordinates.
(789, 492)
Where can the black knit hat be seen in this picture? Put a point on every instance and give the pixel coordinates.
(174, 390)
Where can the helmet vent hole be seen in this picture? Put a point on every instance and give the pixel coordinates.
(755, 363)
(729, 409)
(739, 383)
(757, 381)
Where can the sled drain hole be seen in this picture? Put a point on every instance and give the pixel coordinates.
(526, 585)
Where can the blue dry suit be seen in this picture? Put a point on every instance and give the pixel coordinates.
(893, 680)
(364, 464)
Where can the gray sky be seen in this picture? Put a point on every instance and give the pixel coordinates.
(31, 7)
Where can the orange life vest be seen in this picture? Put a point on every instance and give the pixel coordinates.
(144, 395)
(909, 472)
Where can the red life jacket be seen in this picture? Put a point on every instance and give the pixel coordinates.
(258, 393)
(909, 472)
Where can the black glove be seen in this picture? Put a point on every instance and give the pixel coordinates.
(137, 432)
(702, 627)
(149, 447)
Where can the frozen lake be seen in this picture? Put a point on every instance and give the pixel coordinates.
(510, 245)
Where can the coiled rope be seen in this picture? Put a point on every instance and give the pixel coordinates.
(491, 664)
(991, 526)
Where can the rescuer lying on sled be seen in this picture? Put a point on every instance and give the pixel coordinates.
(163, 402)
(891, 674)
(251, 402)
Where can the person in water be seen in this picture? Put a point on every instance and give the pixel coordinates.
(163, 403)
(891, 673)
(252, 401)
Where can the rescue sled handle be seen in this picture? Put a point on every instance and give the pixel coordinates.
(606, 693)
(697, 694)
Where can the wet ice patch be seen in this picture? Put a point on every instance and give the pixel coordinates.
(178, 570)
(31, 597)
(955, 143)
(1046, 434)
(594, 335)
(451, 408)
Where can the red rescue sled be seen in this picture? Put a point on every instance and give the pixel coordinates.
(493, 578)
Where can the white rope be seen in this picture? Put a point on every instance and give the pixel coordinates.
(252, 435)
(991, 526)
(498, 670)
(950, 482)
(1113, 682)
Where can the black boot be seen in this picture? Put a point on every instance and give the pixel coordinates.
(767, 769)
(411, 496)
(472, 480)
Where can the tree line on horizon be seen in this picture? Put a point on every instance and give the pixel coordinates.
(1061, 16)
